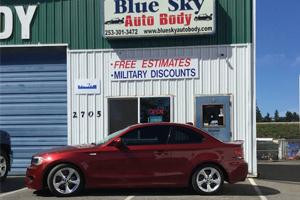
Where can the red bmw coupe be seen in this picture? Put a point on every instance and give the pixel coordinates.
(142, 155)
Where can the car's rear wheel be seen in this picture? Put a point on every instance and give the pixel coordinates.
(3, 166)
(208, 179)
(65, 180)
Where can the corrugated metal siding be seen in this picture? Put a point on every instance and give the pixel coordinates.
(79, 24)
(218, 75)
(33, 109)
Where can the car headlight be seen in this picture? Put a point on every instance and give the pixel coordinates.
(36, 160)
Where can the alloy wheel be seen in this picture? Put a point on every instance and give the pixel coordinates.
(66, 180)
(3, 166)
(208, 179)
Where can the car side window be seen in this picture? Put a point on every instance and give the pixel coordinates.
(150, 135)
(180, 135)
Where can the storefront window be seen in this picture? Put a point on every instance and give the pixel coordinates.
(155, 109)
(213, 116)
(122, 113)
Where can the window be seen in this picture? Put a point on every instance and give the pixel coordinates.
(213, 116)
(155, 109)
(151, 135)
(122, 113)
(182, 135)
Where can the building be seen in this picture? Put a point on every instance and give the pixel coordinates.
(73, 71)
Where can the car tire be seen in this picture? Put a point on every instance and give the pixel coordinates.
(65, 180)
(4, 162)
(208, 179)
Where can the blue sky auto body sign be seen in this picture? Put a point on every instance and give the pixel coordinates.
(151, 69)
(148, 18)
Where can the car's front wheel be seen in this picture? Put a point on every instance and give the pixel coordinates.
(65, 180)
(3, 166)
(208, 179)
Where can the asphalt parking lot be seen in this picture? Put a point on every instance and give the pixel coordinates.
(277, 181)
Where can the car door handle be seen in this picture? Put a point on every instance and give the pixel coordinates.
(160, 153)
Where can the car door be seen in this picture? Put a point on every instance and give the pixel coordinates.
(142, 162)
(106, 166)
(184, 145)
(147, 156)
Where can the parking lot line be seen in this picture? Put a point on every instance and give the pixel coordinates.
(12, 192)
(256, 188)
(129, 198)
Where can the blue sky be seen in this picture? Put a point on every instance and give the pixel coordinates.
(278, 55)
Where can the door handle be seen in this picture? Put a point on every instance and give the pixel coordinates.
(160, 153)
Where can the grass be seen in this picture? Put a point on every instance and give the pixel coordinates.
(278, 130)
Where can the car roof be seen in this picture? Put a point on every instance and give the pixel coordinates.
(161, 123)
(140, 125)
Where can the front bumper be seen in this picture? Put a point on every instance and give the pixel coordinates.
(34, 178)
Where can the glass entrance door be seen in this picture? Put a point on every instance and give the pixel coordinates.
(213, 115)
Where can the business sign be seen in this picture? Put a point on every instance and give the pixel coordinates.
(150, 18)
(154, 69)
(24, 16)
(87, 86)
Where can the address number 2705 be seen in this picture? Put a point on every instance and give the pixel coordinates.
(83, 114)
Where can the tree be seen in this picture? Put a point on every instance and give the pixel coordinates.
(276, 116)
(259, 117)
(295, 117)
(267, 118)
(282, 119)
(289, 116)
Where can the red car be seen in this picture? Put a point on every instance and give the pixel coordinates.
(143, 155)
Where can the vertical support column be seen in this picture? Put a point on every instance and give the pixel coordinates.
(254, 148)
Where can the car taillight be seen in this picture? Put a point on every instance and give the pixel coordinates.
(238, 153)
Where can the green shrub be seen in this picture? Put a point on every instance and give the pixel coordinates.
(278, 130)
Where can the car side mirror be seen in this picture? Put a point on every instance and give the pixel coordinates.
(118, 143)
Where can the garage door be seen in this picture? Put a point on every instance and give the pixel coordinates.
(33, 101)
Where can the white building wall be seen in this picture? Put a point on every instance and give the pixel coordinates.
(225, 69)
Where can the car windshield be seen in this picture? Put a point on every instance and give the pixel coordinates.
(110, 136)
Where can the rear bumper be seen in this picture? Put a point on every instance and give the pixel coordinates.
(34, 178)
(239, 172)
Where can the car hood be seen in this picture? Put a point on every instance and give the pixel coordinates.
(66, 149)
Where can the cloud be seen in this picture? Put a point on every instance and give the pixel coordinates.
(271, 59)
(296, 62)
(278, 60)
